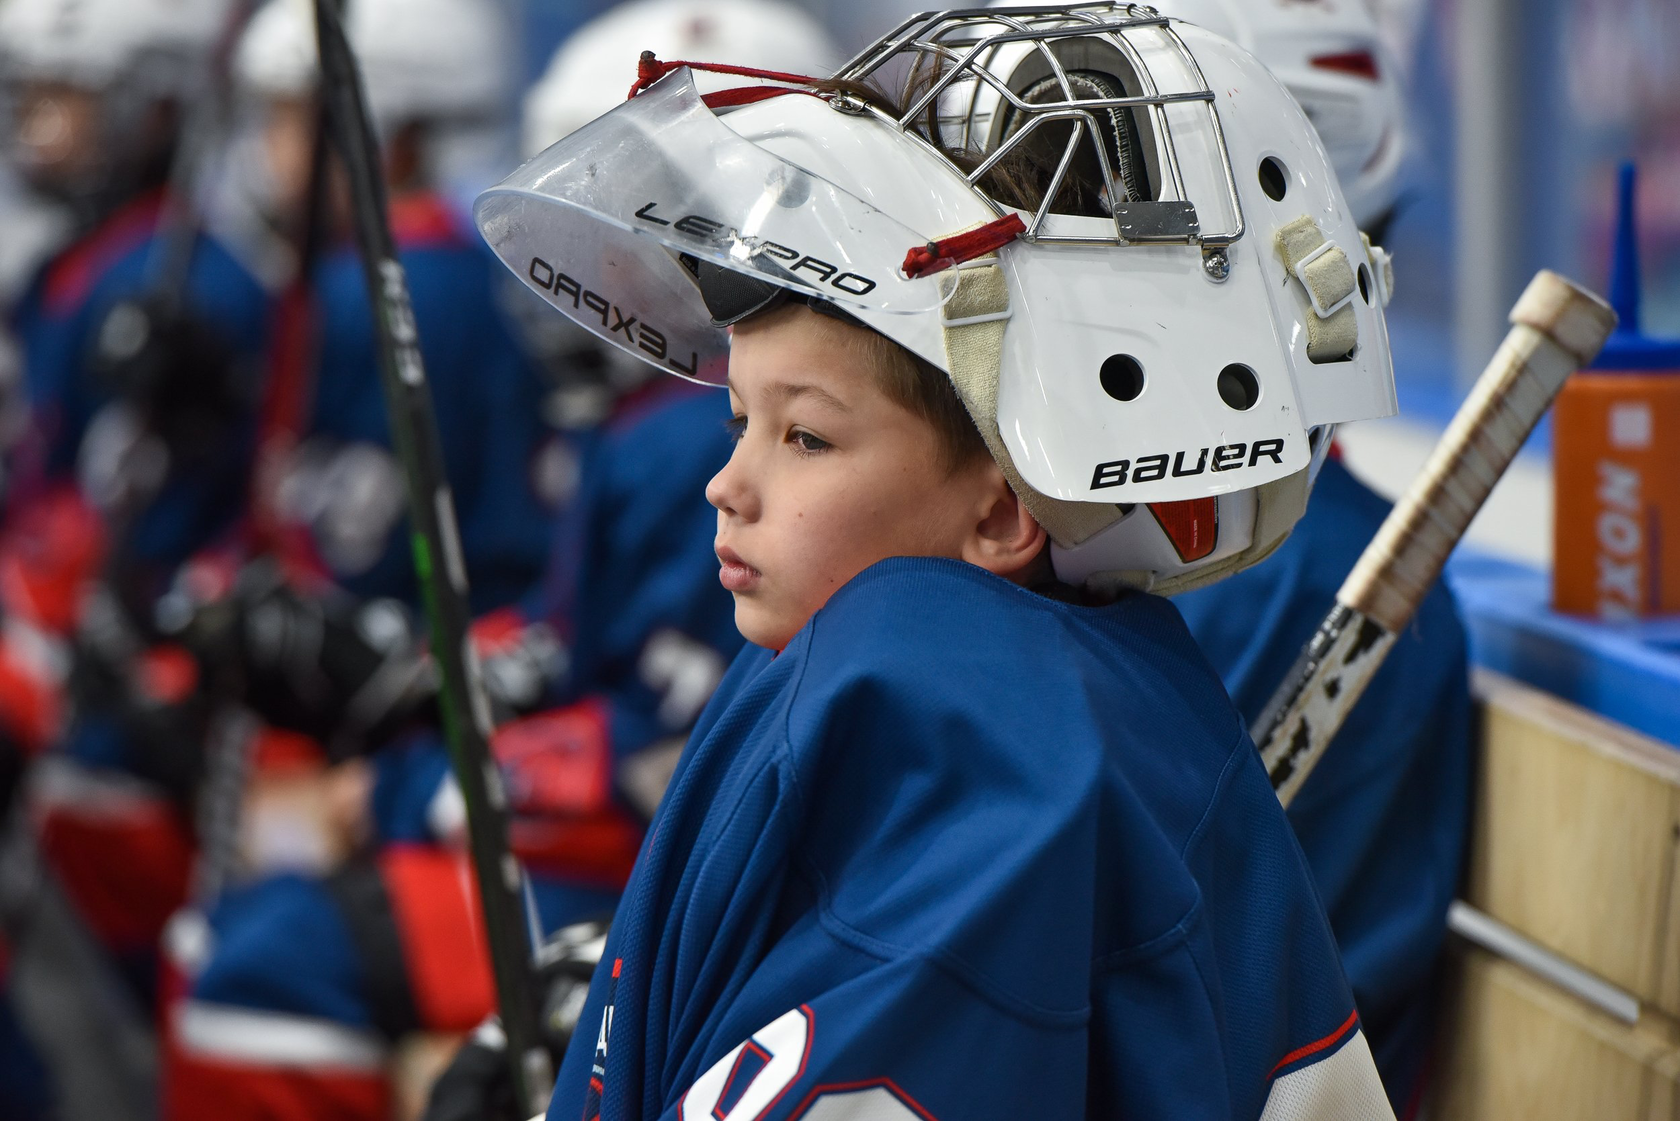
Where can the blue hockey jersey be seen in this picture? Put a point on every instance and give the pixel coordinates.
(488, 396)
(963, 851)
(57, 322)
(632, 583)
(632, 590)
(1383, 821)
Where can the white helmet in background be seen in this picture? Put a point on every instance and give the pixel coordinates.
(1337, 62)
(1154, 353)
(138, 62)
(445, 64)
(590, 74)
(155, 48)
(594, 68)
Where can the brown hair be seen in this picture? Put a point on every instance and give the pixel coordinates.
(907, 379)
(913, 383)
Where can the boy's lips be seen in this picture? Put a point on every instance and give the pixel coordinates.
(736, 574)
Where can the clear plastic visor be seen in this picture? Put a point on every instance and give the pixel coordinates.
(598, 222)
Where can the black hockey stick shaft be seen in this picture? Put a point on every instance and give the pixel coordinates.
(439, 563)
(1557, 327)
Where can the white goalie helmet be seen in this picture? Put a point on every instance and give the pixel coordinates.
(155, 48)
(595, 66)
(1154, 353)
(1336, 61)
(132, 57)
(442, 62)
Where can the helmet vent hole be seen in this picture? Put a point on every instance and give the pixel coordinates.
(1238, 387)
(1122, 377)
(1274, 178)
(1365, 285)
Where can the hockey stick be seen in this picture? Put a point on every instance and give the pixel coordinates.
(231, 738)
(438, 562)
(1557, 327)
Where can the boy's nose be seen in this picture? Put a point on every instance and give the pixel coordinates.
(728, 490)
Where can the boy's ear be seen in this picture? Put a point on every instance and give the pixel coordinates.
(1007, 541)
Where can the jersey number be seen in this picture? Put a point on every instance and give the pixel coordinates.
(746, 1083)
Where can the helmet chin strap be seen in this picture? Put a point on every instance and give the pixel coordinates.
(1324, 272)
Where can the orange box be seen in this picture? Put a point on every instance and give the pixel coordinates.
(1616, 465)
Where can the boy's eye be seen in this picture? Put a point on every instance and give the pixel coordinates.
(808, 443)
(736, 426)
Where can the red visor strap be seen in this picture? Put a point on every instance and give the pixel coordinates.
(649, 70)
(747, 95)
(937, 256)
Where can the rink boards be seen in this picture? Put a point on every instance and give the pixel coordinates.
(1575, 844)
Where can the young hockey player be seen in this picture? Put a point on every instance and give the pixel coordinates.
(137, 367)
(644, 633)
(974, 831)
(439, 97)
(100, 92)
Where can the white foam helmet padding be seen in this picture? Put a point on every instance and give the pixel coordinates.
(596, 65)
(420, 59)
(1361, 119)
(96, 44)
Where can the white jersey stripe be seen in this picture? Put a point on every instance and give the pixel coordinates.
(1343, 1086)
(224, 1033)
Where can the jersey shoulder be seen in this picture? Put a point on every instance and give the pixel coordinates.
(1054, 757)
(654, 456)
(946, 636)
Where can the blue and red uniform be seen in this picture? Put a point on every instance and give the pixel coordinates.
(57, 324)
(632, 592)
(120, 846)
(962, 850)
(346, 486)
(1383, 821)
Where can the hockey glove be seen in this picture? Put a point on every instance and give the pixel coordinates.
(349, 675)
(475, 1086)
(178, 373)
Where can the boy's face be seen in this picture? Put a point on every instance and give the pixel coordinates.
(829, 475)
(57, 135)
(288, 137)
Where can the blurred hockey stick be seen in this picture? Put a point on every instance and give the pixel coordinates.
(439, 563)
(282, 414)
(1557, 327)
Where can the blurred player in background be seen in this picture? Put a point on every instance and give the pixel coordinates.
(140, 346)
(603, 670)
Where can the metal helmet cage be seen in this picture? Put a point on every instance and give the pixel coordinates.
(988, 80)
